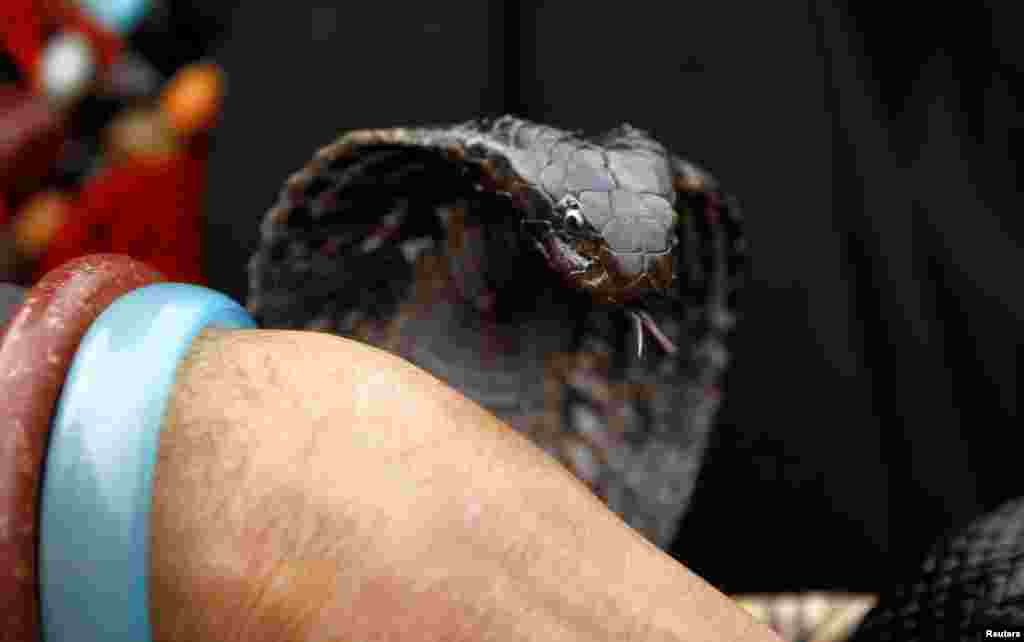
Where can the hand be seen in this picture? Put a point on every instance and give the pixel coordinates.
(312, 488)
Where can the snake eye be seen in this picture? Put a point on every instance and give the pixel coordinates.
(571, 210)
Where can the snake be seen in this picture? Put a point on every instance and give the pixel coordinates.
(580, 287)
(969, 586)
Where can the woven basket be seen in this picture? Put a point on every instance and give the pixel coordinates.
(809, 617)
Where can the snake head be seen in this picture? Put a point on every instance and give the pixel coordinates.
(608, 227)
(616, 256)
(612, 270)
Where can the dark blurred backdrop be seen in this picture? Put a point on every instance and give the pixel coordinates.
(872, 401)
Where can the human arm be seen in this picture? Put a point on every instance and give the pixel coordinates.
(311, 488)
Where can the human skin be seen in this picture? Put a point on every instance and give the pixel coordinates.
(311, 488)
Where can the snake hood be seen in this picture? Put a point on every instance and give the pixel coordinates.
(524, 265)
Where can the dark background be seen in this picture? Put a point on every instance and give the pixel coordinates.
(871, 405)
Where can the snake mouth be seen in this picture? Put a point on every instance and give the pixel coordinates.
(564, 258)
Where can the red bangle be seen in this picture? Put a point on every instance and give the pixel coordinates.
(36, 348)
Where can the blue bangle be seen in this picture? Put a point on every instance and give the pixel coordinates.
(97, 488)
(120, 16)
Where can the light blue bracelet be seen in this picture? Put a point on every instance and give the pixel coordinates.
(120, 16)
(97, 488)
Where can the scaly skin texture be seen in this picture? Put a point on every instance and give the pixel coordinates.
(971, 582)
(515, 261)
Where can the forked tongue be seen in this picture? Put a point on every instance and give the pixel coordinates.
(643, 321)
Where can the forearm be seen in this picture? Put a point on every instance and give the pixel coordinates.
(311, 488)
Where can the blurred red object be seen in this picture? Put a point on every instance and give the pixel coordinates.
(148, 208)
(148, 202)
(31, 135)
(23, 28)
(26, 25)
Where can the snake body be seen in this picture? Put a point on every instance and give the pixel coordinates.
(969, 587)
(525, 265)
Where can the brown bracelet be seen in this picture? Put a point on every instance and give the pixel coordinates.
(36, 348)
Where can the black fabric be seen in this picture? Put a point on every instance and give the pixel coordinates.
(872, 398)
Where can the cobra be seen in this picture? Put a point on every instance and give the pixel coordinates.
(524, 265)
